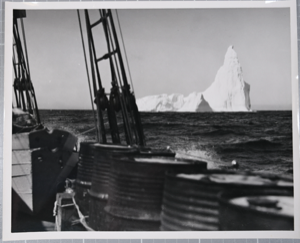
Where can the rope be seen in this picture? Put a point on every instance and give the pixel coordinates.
(25, 46)
(55, 208)
(122, 99)
(101, 135)
(81, 216)
(133, 117)
(87, 131)
(119, 25)
(87, 72)
(57, 227)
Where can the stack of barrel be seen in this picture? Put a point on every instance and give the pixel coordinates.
(121, 187)
(136, 191)
(124, 188)
(84, 175)
(99, 193)
(224, 200)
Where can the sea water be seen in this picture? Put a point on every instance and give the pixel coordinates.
(258, 141)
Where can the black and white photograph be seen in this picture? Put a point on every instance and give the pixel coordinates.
(151, 119)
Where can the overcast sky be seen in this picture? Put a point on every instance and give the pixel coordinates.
(169, 51)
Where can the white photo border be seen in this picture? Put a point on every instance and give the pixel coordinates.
(6, 225)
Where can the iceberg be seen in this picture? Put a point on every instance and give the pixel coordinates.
(161, 102)
(228, 93)
(195, 102)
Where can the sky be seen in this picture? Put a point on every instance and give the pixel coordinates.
(169, 51)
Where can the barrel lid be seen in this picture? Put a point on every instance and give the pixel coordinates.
(240, 179)
(147, 152)
(88, 143)
(160, 160)
(87, 146)
(279, 205)
(115, 147)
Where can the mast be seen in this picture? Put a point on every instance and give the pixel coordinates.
(119, 106)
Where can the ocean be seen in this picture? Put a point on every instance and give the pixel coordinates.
(258, 141)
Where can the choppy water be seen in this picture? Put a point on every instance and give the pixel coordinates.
(260, 141)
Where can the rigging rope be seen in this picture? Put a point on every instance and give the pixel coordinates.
(23, 67)
(133, 116)
(88, 76)
(33, 98)
(119, 25)
(89, 130)
(94, 66)
(25, 46)
(122, 98)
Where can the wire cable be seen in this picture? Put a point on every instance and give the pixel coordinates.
(127, 63)
(87, 72)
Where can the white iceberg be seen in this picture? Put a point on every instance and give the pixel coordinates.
(229, 92)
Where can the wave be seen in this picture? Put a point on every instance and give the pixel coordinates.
(210, 157)
(259, 143)
(219, 132)
(237, 146)
(182, 125)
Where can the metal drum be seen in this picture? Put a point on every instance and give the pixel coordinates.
(104, 154)
(244, 211)
(84, 175)
(136, 190)
(190, 201)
